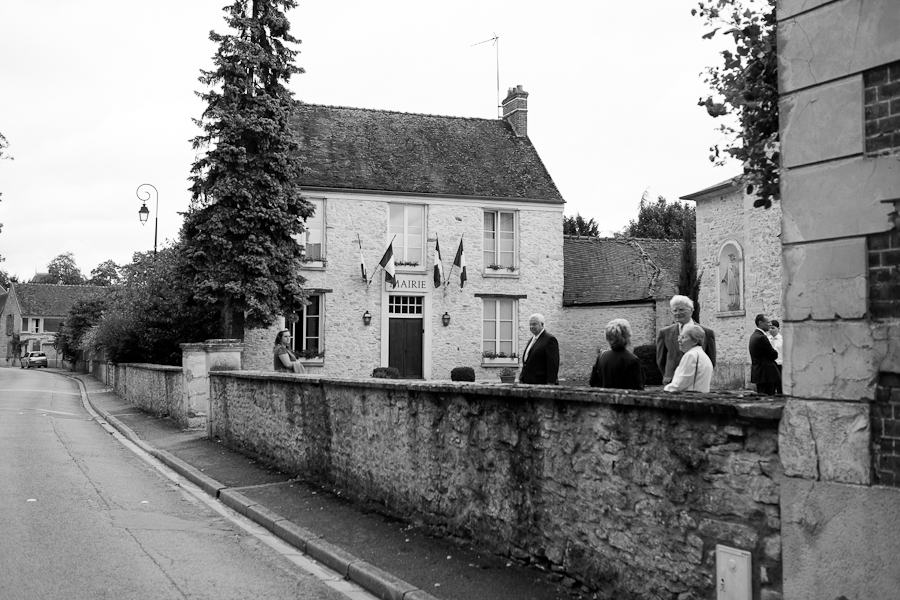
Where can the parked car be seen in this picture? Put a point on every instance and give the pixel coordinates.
(34, 359)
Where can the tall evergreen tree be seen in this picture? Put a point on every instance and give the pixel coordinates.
(689, 278)
(241, 257)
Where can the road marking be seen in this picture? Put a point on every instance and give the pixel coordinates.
(330, 578)
(36, 390)
(58, 412)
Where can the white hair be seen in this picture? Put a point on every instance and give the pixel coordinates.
(537, 316)
(681, 301)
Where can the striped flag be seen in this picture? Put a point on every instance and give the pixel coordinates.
(438, 264)
(460, 261)
(362, 262)
(387, 263)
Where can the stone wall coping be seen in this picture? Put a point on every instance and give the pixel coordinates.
(213, 345)
(149, 367)
(722, 403)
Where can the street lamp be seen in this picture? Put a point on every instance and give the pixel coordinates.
(144, 212)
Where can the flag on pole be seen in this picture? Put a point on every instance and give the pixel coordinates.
(387, 263)
(362, 261)
(438, 264)
(460, 261)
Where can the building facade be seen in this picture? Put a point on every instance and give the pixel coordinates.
(739, 256)
(839, 81)
(415, 182)
(33, 313)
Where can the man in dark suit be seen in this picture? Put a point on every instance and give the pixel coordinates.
(668, 354)
(540, 362)
(763, 369)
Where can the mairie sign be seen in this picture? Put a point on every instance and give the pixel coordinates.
(409, 282)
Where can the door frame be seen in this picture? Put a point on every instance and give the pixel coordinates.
(427, 321)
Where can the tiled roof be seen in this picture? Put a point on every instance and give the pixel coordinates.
(614, 270)
(47, 300)
(379, 150)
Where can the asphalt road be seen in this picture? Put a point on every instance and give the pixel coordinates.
(82, 516)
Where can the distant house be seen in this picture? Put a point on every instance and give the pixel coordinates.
(380, 177)
(739, 253)
(34, 312)
(613, 278)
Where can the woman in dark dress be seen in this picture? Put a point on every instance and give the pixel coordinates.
(617, 367)
(285, 361)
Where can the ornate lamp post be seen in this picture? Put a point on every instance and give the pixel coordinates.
(144, 212)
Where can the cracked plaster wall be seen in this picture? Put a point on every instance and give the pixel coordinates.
(841, 533)
(840, 541)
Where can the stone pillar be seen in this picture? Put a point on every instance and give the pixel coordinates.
(197, 361)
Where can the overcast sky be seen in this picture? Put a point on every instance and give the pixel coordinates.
(97, 97)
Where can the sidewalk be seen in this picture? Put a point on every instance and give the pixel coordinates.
(389, 558)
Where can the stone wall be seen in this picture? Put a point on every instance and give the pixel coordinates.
(627, 493)
(154, 388)
(582, 333)
(729, 216)
(353, 349)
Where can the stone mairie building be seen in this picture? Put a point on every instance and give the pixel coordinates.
(412, 180)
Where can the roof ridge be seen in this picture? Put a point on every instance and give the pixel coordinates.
(400, 112)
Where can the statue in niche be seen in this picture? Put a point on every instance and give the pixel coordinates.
(732, 280)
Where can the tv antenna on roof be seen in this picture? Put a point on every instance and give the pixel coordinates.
(496, 41)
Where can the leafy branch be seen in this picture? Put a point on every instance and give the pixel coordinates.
(746, 86)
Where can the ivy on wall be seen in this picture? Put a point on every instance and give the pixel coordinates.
(746, 86)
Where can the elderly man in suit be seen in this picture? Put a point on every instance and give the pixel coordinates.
(540, 362)
(763, 368)
(668, 354)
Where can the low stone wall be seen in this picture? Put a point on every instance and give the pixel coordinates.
(154, 388)
(627, 493)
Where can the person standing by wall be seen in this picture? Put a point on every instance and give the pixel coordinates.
(540, 362)
(617, 367)
(695, 369)
(763, 370)
(668, 353)
(777, 343)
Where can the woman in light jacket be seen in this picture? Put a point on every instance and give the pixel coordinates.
(695, 370)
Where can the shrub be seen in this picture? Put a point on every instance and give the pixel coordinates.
(647, 355)
(386, 373)
(462, 374)
(508, 372)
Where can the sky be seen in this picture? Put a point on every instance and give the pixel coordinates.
(98, 97)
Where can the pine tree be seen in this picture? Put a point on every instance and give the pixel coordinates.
(246, 202)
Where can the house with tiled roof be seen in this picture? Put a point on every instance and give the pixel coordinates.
(417, 182)
(33, 312)
(613, 278)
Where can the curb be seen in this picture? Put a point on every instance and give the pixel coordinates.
(369, 577)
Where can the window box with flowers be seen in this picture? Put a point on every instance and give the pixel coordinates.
(311, 357)
(498, 359)
(494, 269)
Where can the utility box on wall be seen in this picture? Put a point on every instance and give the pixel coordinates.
(733, 581)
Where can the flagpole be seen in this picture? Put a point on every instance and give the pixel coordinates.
(453, 264)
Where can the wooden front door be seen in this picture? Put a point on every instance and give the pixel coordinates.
(405, 346)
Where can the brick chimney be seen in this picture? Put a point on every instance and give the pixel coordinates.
(515, 110)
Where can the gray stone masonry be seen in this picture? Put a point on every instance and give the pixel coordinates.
(627, 493)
